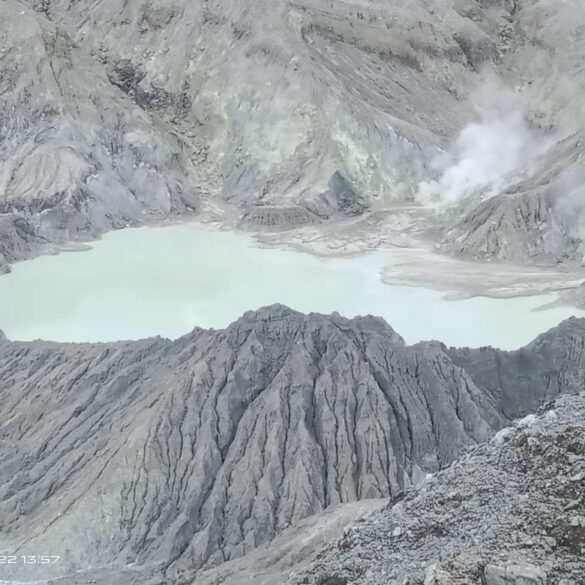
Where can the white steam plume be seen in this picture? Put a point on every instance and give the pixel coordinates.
(485, 151)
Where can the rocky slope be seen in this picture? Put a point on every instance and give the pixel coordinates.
(77, 156)
(175, 455)
(278, 99)
(117, 112)
(539, 218)
(580, 296)
(509, 512)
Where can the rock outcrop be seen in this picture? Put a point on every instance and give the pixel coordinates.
(185, 454)
(272, 218)
(538, 219)
(514, 575)
(509, 512)
(77, 156)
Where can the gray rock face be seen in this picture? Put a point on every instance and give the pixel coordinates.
(18, 239)
(500, 515)
(537, 219)
(580, 296)
(344, 196)
(279, 100)
(514, 575)
(193, 452)
(114, 112)
(521, 228)
(77, 156)
(274, 218)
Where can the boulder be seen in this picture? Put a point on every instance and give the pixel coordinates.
(514, 575)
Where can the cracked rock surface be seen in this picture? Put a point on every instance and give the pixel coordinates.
(508, 512)
(185, 454)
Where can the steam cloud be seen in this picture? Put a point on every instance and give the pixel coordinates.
(484, 152)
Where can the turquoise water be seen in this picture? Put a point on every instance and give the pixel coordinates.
(142, 282)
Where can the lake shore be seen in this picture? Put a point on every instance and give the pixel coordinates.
(166, 280)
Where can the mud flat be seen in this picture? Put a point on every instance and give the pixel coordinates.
(407, 236)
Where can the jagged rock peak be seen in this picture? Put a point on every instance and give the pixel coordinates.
(201, 449)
